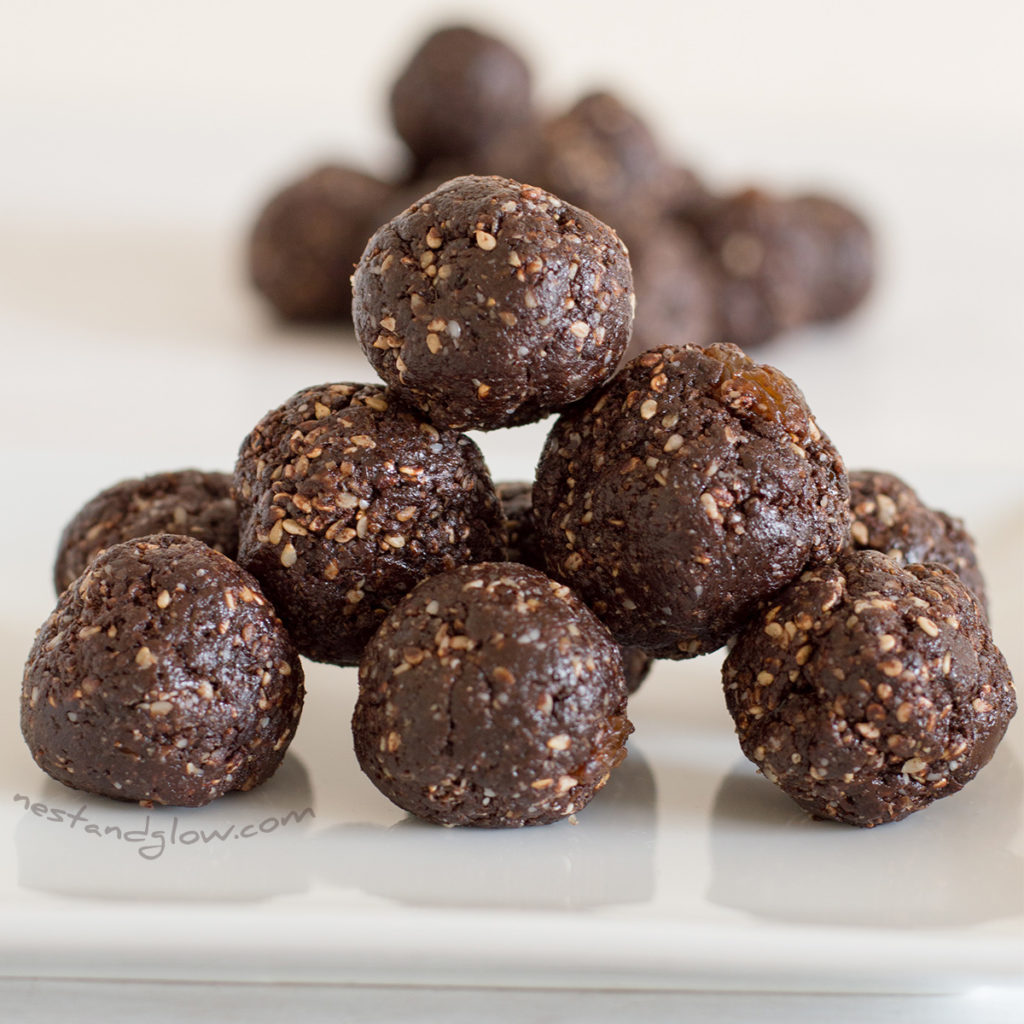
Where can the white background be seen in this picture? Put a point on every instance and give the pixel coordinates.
(137, 140)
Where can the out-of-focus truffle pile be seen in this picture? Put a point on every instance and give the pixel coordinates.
(708, 265)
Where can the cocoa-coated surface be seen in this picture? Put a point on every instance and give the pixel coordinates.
(346, 501)
(867, 689)
(490, 303)
(162, 676)
(887, 515)
(693, 485)
(190, 502)
(491, 696)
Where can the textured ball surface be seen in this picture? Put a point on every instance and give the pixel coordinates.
(867, 690)
(490, 696)
(489, 303)
(190, 503)
(346, 501)
(163, 676)
(692, 486)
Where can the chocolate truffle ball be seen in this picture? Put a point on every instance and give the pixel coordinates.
(460, 91)
(888, 516)
(763, 254)
(346, 500)
(308, 239)
(866, 690)
(190, 502)
(603, 157)
(163, 676)
(843, 270)
(517, 507)
(490, 696)
(490, 303)
(694, 484)
(677, 301)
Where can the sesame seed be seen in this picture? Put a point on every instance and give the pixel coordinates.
(485, 240)
(434, 238)
(648, 409)
(144, 658)
(163, 599)
(289, 556)
(674, 443)
(559, 742)
(711, 508)
(927, 626)
(859, 532)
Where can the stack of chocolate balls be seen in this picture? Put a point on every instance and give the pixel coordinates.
(689, 500)
(708, 266)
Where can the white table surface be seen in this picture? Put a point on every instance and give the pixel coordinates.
(141, 141)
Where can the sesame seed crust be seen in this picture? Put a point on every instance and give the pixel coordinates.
(490, 303)
(162, 676)
(866, 690)
(490, 696)
(189, 502)
(346, 500)
(888, 516)
(675, 498)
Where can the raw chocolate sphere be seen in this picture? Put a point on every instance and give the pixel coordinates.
(888, 516)
(460, 91)
(190, 502)
(866, 690)
(677, 301)
(162, 676)
(308, 239)
(843, 271)
(690, 487)
(763, 254)
(489, 303)
(517, 507)
(490, 696)
(603, 157)
(346, 500)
